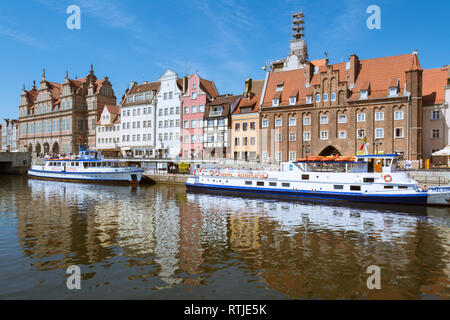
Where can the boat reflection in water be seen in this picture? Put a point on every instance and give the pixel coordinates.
(159, 242)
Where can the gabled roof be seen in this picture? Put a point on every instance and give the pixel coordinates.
(226, 101)
(208, 87)
(433, 88)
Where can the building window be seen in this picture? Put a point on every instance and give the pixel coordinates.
(275, 102)
(398, 115)
(201, 108)
(333, 96)
(252, 141)
(292, 101)
(278, 137)
(342, 134)
(317, 97)
(323, 135)
(361, 117)
(194, 95)
(398, 133)
(361, 133)
(194, 109)
(307, 136)
(236, 141)
(392, 91)
(244, 126)
(278, 122)
(292, 156)
(342, 118)
(379, 116)
(278, 155)
(306, 121)
(186, 124)
(435, 115)
(308, 99)
(292, 136)
(364, 94)
(292, 122)
(379, 133)
(435, 133)
(252, 125)
(325, 97)
(265, 123)
(323, 119)
(237, 126)
(186, 110)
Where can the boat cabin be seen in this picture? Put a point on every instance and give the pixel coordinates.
(359, 164)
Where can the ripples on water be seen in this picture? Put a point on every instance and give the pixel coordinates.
(157, 242)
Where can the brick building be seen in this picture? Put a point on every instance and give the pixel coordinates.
(59, 117)
(316, 108)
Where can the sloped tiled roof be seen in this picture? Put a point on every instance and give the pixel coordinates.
(433, 88)
(209, 87)
(375, 73)
(145, 87)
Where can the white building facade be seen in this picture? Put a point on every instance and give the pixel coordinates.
(138, 112)
(108, 131)
(168, 116)
(9, 136)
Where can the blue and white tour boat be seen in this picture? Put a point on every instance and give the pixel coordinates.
(88, 166)
(366, 178)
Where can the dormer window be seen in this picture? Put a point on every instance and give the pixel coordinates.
(280, 87)
(308, 99)
(316, 70)
(275, 102)
(364, 94)
(292, 101)
(393, 91)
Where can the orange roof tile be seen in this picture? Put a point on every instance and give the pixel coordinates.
(433, 88)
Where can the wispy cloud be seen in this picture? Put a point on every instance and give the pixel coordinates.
(21, 37)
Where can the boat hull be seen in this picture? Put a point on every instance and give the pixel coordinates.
(419, 198)
(97, 177)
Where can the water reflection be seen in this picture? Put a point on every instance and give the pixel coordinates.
(159, 242)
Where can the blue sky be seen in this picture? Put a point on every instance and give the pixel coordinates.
(225, 41)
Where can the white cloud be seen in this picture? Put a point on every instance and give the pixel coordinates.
(21, 37)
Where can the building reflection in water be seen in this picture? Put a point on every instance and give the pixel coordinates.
(302, 250)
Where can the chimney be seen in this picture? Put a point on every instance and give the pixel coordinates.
(309, 71)
(354, 68)
(133, 83)
(248, 87)
(185, 84)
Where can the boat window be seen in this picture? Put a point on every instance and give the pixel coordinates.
(355, 188)
(389, 187)
(99, 164)
(72, 164)
(260, 184)
(248, 183)
(305, 176)
(403, 187)
(272, 184)
(338, 187)
(366, 180)
(285, 185)
(85, 164)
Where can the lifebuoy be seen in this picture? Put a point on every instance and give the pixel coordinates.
(388, 178)
(265, 175)
(217, 173)
(211, 172)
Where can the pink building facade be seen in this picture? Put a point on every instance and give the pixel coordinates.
(197, 92)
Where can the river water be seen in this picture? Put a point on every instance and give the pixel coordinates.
(159, 242)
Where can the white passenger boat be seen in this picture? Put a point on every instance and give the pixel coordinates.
(367, 178)
(89, 166)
